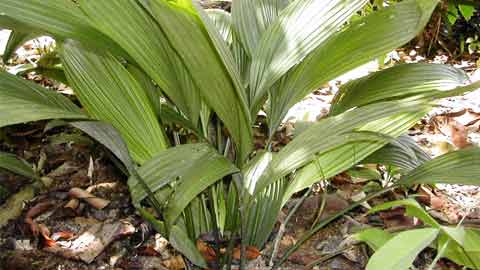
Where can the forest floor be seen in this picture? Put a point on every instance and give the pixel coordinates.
(56, 226)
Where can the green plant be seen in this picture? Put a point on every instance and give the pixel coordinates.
(398, 251)
(144, 68)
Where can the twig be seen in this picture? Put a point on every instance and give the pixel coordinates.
(320, 211)
(281, 230)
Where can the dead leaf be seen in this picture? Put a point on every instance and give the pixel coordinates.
(94, 201)
(207, 251)
(35, 211)
(251, 253)
(175, 263)
(45, 233)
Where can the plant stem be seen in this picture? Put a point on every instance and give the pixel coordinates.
(281, 230)
(327, 221)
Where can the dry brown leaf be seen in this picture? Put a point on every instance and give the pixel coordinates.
(207, 251)
(251, 253)
(175, 263)
(94, 201)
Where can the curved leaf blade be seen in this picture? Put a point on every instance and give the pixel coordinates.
(458, 167)
(23, 101)
(360, 42)
(11, 163)
(300, 28)
(400, 251)
(111, 94)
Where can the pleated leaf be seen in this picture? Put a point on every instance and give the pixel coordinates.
(110, 93)
(223, 22)
(458, 167)
(399, 252)
(362, 41)
(346, 156)
(300, 28)
(131, 26)
(404, 153)
(326, 165)
(11, 163)
(59, 18)
(23, 101)
(193, 167)
(252, 17)
(328, 134)
(210, 64)
(397, 82)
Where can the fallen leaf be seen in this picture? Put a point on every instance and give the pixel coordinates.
(207, 251)
(175, 263)
(35, 211)
(251, 253)
(94, 201)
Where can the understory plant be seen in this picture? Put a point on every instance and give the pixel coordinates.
(174, 91)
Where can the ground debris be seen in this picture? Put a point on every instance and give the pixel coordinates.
(88, 245)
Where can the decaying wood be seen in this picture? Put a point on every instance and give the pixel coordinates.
(88, 245)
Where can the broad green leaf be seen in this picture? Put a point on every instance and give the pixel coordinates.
(375, 238)
(401, 81)
(400, 251)
(59, 18)
(152, 91)
(252, 17)
(300, 28)
(458, 167)
(180, 241)
(413, 209)
(131, 26)
(223, 22)
(331, 163)
(346, 156)
(12, 163)
(404, 153)
(111, 94)
(211, 168)
(23, 101)
(254, 169)
(220, 83)
(452, 13)
(467, 11)
(193, 167)
(362, 41)
(330, 133)
(467, 254)
(262, 213)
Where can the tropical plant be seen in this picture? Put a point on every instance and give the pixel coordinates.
(144, 68)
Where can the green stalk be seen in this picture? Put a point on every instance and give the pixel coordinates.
(327, 221)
